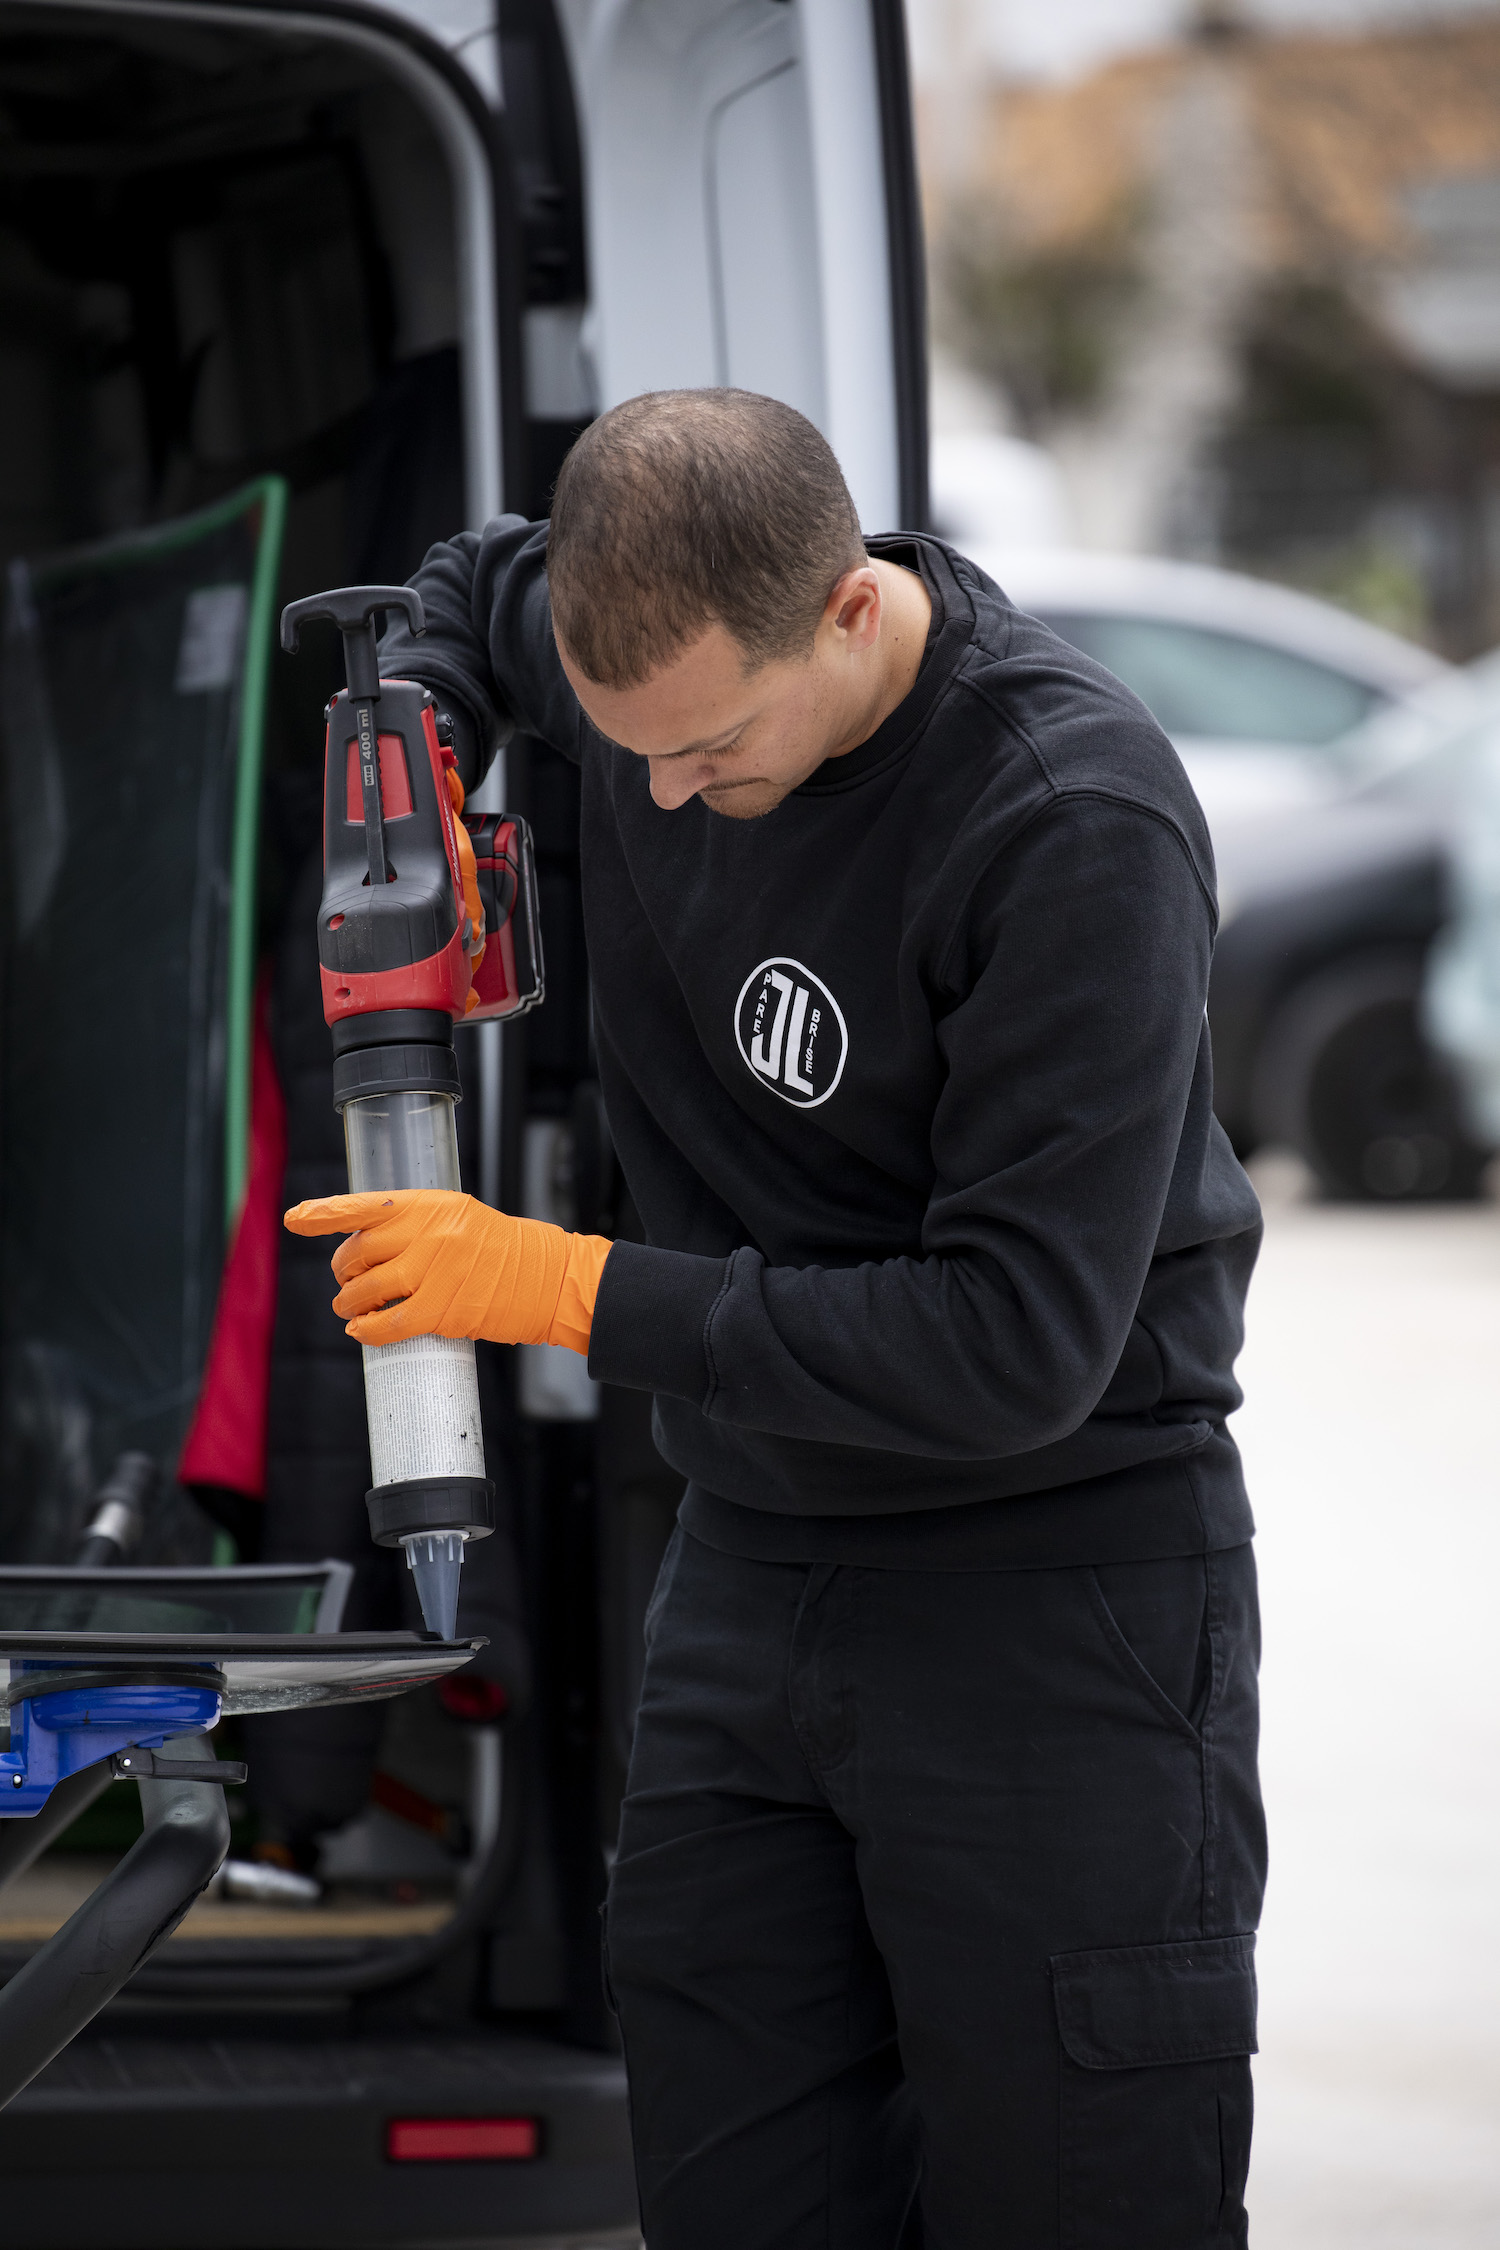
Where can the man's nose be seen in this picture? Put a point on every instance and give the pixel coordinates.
(672, 783)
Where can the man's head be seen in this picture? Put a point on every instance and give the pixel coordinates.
(713, 603)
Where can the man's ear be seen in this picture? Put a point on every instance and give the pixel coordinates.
(853, 608)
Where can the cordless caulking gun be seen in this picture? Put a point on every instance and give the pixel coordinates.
(399, 961)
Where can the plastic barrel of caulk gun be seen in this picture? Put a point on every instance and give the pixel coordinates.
(421, 1394)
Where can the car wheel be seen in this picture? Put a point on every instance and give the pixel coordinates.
(1346, 1078)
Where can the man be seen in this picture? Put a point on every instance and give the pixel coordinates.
(942, 1846)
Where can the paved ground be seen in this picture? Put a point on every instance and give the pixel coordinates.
(1372, 1371)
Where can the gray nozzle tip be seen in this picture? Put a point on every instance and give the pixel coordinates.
(436, 1560)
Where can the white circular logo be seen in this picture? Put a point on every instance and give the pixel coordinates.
(791, 1032)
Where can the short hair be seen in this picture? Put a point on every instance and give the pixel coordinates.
(679, 508)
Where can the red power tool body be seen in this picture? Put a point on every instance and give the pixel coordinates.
(399, 938)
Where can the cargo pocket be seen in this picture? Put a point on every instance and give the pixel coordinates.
(1156, 2102)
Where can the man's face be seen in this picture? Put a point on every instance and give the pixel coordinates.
(742, 740)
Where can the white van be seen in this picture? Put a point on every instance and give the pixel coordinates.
(288, 291)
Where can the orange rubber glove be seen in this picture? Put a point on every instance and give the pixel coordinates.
(429, 1262)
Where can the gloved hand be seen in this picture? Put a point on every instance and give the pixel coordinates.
(457, 1267)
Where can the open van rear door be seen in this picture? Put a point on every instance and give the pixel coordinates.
(752, 218)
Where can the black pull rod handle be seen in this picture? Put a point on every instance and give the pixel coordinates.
(353, 609)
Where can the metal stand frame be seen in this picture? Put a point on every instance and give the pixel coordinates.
(120, 1925)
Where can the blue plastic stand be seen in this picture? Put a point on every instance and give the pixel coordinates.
(59, 1734)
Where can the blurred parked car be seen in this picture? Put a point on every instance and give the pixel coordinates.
(1256, 685)
(1461, 1000)
(1330, 918)
(1330, 758)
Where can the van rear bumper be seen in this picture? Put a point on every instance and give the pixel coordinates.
(132, 2141)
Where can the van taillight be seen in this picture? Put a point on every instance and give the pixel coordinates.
(461, 2140)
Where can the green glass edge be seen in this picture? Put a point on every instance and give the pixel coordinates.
(260, 639)
(127, 546)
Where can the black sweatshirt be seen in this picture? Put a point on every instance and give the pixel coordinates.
(946, 1251)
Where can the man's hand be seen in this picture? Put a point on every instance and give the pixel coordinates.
(428, 1262)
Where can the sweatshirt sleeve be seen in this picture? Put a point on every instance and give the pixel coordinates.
(1081, 969)
(488, 647)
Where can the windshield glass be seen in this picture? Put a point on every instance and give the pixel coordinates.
(1220, 685)
(129, 739)
(278, 1600)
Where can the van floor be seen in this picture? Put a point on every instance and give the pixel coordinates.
(35, 1904)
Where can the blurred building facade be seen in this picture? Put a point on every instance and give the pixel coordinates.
(1246, 291)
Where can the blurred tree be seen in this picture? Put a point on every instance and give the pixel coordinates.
(1044, 321)
(1248, 289)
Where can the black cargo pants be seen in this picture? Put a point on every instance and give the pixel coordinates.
(931, 1918)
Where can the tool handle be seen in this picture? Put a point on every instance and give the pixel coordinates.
(353, 609)
(114, 1530)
